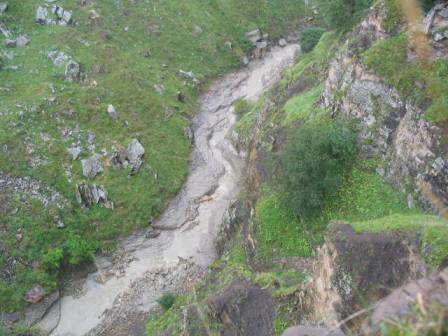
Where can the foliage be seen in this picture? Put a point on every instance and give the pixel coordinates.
(19, 330)
(79, 249)
(343, 14)
(279, 232)
(301, 106)
(313, 165)
(433, 230)
(388, 59)
(167, 300)
(242, 106)
(310, 37)
(52, 259)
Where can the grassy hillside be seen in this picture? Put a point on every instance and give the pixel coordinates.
(127, 53)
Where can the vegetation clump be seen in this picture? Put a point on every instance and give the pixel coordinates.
(343, 14)
(167, 300)
(313, 165)
(310, 37)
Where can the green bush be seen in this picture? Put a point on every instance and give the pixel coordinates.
(313, 165)
(310, 38)
(242, 106)
(343, 14)
(167, 300)
(79, 249)
(52, 259)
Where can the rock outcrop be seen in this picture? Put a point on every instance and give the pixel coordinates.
(352, 269)
(91, 167)
(243, 310)
(55, 16)
(92, 195)
(390, 126)
(133, 155)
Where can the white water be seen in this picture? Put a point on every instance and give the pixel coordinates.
(189, 226)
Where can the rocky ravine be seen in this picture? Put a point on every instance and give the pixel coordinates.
(117, 298)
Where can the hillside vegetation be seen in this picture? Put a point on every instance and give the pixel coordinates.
(149, 60)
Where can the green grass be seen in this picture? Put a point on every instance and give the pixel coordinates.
(112, 53)
(279, 232)
(300, 107)
(433, 230)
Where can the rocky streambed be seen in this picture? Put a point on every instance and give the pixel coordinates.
(179, 247)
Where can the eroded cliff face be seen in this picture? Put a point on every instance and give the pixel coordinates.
(391, 127)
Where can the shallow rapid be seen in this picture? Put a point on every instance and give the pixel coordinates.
(116, 299)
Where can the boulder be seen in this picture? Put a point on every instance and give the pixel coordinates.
(243, 310)
(10, 43)
(135, 154)
(91, 167)
(22, 41)
(72, 71)
(427, 292)
(3, 7)
(92, 195)
(352, 269)
(282, 43)
(4, 30)
(311, 331)
(35, 294)
(58, 58)
(63, 17)
(75, 152)
(112, 112)
(36, 311)
(42, 15)
(254, 36)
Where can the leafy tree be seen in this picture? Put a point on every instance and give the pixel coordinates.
(313, 164)
(310, 37)
(343, 14)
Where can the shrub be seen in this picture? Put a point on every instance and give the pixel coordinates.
(310, 38)
(343, 14)
(79, 249)
(167, 300)
(313, 165)
(52, 259)
(242, 106)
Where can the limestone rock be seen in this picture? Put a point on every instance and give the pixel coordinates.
(243, 310)
(92, 166)
(135, 153)
(112, 112)
(72, 71)
(36, 311)
(282, 43)
(75, 152)
(35, 294)
(10, 43)
(352, 269)
(42, 15)
(254, 36)
(57, 16)
(430, 291)
(58, 58)
(92, 195)
(3, 7)
(311, 331)
(22, 41)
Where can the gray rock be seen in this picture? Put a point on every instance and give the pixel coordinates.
(72, 71)
(91, 167)
(242, 309)
(51, 319)
(4, 31)
(254, 36)
(10, 43)
(58, 58)
(135, 151)
(159, 88)
(311, 331)
(112, 112)
(42, 15)
(22, 41)
(152, 233)
(282, 43)
(63, 16)
(3, 7)
(75, 152)
(36, 311)
(92, 195)
(35, 294)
